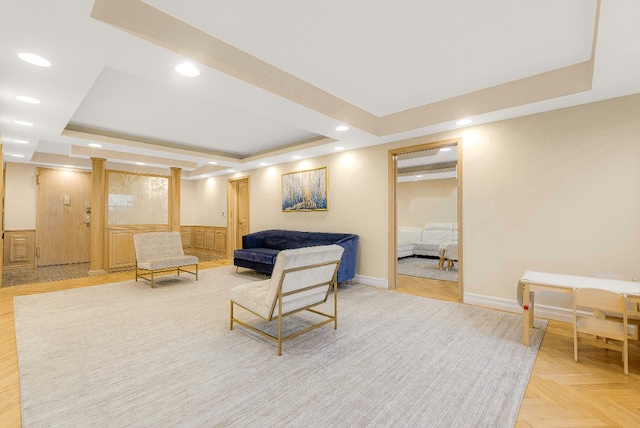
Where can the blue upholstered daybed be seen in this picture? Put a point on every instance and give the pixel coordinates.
(259, 249)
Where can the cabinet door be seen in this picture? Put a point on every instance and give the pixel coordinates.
(220, 240)
(121, 250)
(198, 238)
(209, 239)
(185, 235)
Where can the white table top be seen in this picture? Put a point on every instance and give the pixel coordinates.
(574, 281)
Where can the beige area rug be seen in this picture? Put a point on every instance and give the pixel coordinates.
(124, 354)
(425, 267)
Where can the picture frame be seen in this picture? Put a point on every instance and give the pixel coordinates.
(305, 190)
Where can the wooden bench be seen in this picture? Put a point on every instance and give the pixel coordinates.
(158, 252)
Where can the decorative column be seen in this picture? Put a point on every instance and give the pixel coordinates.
(98, 179)
(174, 199)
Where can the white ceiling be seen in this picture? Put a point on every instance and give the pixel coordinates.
(277, 78)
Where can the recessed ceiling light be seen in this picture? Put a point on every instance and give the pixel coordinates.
(18, 156)
(34, 59)
(338, 148)
(464, 122)
(231, 170)
(213, 163)
(296, 157)
(342, 128)
(445, 149)
(264, 164)
(187, 69)
(140, 163)
(22, 122)
(28, 99)
(96, 145)
(68, 166)
(21, 141)
(419, 176)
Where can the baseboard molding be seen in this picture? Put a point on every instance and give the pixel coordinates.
(371, 280)
(541, 311)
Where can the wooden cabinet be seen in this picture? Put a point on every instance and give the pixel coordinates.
(206, 238)
(19, 249)
(121, 250)
(220, 242)
(185, 235)
(120, 253)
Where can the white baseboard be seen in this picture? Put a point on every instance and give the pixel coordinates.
(371, 280)
(541, 311)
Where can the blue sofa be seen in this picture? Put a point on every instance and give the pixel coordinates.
(259, 249)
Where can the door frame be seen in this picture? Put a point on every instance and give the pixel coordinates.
(393, 208)
(232, 213)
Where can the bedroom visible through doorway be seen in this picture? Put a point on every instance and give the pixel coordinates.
(425, 211)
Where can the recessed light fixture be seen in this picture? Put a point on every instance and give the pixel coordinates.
(213, 163)
(140, 163)
(264, 164)
(445, 149)
(18, 156)
(338, 148)
(28, 99)
(21, 141)
(419, 176)
(34, 59)
(95, 145)
(187, 69)
(464, 122)
(296, 157)
(22, 122)
(342, 128)
(231, 170)
(68, 166)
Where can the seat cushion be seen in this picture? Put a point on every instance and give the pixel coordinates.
(257, 255)
(168, 262)
(252, 297)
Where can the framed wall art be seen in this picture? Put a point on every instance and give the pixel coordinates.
(305, 190)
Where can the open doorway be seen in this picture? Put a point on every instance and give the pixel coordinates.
(425, 220)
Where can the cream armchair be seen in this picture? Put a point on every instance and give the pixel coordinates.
(302, 278)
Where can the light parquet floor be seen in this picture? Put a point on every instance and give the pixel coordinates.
(593, 392)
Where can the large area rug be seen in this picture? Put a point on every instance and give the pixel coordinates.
(124, 354)
(426, 268)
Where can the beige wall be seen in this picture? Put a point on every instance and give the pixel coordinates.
(427, 201)
(557, 191)
(20, 196)
(209, 201)
(357, 202)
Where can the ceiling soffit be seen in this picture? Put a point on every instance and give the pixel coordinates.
(151, 24)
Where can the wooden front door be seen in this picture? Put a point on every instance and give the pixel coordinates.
(237, 213)
(62, 228)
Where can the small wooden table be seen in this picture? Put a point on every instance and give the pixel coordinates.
(541, 281)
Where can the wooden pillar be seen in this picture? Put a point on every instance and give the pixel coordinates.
(174, 199)
(98, 216)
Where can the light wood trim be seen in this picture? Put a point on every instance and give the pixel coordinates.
(416, 145)
(174, 199)
(98, 220)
